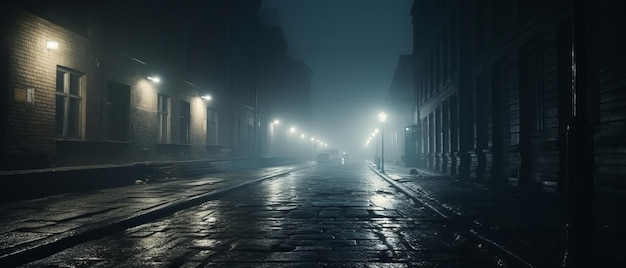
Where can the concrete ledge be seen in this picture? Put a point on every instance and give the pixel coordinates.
(38, 183)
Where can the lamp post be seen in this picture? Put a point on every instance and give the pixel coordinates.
(272, 150)
(382, 117)
(373, 136)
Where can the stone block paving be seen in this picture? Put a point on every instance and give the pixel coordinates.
(325, 216)
(32, 224)
(528, 223)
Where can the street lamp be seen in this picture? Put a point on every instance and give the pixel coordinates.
(155, 79)
(382, 117)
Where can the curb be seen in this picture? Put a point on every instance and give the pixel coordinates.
(46, 249)
(446, 213)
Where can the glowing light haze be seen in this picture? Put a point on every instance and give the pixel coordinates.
(352, 48)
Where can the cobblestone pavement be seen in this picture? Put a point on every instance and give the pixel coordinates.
(527, 224)
(37, 228)
(326, 216)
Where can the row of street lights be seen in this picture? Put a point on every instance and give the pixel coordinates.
(382, 117)
(291, 131)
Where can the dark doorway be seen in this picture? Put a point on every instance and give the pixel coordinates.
(117, 117)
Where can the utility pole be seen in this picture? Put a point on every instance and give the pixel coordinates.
(579, 139)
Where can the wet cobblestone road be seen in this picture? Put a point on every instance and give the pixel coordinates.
(326, 216)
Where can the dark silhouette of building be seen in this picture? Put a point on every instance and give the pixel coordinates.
(401, 108)
(495, 99)
(500, 74)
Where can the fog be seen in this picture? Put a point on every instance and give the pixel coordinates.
(352, 49)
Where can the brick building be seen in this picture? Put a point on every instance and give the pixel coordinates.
(80, 89)
(493, 87)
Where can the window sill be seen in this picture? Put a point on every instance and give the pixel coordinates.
(63, 140)
(173, 144)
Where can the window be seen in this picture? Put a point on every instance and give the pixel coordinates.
(117, 112)
(211, 131)
(536, 85)
(185, 120)
(532, 80)
(163, 117)
(68, 113)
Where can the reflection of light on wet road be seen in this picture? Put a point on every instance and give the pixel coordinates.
(279, 191)
(383, 201)
(205, 243)
(206, 218)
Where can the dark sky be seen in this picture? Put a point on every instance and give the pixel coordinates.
(352, 48)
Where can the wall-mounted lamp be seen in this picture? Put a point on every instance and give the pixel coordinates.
(52, 44)
(206, 97)
(155, 79)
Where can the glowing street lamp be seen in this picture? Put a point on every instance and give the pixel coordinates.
(50, 44)
(382, 117)
(155, 79)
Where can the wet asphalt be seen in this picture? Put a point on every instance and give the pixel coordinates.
(324, 215)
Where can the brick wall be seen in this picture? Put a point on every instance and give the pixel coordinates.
(33, 67)
(30, 130)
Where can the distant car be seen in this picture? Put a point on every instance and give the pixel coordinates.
(334, 154)
(323, 158)
(345, 156)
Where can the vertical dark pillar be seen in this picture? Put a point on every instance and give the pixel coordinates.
(481, 119)
(454, 136)
(465, 119)
(424, 142)
(580, 186)
(500, 116)
(417, 135)
(4, 106)
(431, 140)
(445, 125)
(564, 44)
(438, 140)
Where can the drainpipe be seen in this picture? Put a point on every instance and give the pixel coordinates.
(579, 151)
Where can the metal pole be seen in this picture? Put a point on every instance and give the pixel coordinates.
(382, 148)
(376, 155)
(579, 138)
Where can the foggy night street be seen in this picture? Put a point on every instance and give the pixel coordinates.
(329, 215)
(313, 133)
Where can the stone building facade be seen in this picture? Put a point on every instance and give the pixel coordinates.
(493, 90)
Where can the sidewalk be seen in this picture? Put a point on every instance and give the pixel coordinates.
(16, 185)
(530, 224)
(36, 228)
